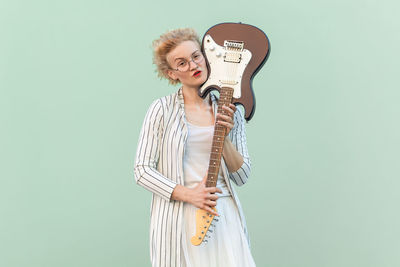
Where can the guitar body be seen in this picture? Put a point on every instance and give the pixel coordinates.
(234, 52)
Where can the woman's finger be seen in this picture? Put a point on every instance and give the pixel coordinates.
(213, 189)
(225, 117)
(211, 203)
(213, 197)
(229, 109)
(227, 124)
(233, 107)
(207, 208)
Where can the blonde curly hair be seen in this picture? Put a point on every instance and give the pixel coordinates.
(165, 44)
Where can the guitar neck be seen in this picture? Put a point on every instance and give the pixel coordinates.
(225, 98)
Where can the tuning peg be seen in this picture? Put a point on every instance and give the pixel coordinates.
(205, 242)
(213, 225)
(210, 230)
(215, 219)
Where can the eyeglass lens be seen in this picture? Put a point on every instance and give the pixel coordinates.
(184, 64)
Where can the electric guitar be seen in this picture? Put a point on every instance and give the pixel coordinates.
(234, 52)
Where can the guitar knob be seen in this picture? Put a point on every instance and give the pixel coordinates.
(218, 54)
(212, 48)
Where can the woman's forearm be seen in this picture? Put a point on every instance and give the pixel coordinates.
(180, 193)
(232, 157)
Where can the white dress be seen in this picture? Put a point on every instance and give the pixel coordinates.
(227, 245)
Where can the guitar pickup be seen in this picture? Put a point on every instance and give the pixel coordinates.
(233, 57)
(229, 82)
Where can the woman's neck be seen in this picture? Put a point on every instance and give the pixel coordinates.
(191, 97)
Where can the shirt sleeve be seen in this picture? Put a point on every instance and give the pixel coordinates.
(147, 154)
(238, 138)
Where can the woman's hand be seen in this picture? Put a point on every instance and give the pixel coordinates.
(226, 119)
(203, 197)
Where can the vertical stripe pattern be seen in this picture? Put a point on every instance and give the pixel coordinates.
(159, 168)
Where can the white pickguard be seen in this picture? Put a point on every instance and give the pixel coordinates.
(222, 73)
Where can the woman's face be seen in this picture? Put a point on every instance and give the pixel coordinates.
(184, 52)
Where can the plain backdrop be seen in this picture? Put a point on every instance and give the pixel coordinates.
(76, 80)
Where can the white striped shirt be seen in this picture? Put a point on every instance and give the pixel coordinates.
(159, 168)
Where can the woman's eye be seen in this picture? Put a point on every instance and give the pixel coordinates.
(182, 63)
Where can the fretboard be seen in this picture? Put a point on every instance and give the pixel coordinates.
(225, 98)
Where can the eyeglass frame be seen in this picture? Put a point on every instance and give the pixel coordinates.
(188, 62)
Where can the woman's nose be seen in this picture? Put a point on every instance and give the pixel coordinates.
(195, 64)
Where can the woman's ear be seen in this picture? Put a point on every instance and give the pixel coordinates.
(172, 75)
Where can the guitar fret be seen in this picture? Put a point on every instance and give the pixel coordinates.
(212, 165)
(211, 174)
(219, 143)
(215, 156)
(213, 169)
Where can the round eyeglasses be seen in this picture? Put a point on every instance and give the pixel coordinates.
(184, 65)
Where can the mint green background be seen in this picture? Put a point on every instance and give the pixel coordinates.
(76, 79)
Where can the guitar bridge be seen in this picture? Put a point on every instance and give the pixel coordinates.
(234, 45)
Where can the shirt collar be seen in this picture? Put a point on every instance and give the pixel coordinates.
(180, 100)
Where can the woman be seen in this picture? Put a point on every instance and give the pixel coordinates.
(172, 162)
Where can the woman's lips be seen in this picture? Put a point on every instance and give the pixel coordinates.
(197, 73)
